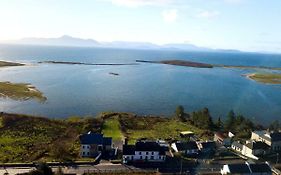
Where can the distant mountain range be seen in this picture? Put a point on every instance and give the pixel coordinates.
(78, 42)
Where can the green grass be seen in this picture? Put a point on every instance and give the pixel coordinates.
(20, 91)
(27, 139)
(163, 130)
(111, 128)
(268, 78)
(137, 127)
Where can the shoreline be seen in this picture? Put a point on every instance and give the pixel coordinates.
(82, 63)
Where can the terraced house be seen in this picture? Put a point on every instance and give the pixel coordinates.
(273, 139)
(144, 151)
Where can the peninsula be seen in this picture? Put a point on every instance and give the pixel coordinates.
(20, 91)
(6, 64)
(268, 78)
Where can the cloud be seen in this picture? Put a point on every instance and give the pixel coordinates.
(170, 15)
(208, 14)
(137, 3)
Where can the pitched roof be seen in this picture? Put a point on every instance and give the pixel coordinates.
(257, 145)
(275, 137)
(208, 145)
(91, 138)
(149, 146)
(260, 168)
(129, 149)
(181, 146)
(221, 135)
(237, 144)
(239, 168)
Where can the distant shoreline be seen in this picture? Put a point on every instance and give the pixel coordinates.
(81, 63)
(179, 63)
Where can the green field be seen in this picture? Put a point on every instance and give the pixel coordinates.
(20, 91)
(111, 128)
(27, 139)
(268, 78)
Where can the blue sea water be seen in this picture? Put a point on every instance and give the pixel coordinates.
(143, 89)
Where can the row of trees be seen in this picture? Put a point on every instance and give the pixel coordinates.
(236, 123)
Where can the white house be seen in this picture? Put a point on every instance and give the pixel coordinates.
(92, 144)
(237, 146)
(273, 139)
(144, 151)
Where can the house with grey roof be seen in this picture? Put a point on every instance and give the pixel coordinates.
(144, 151)
(273, 139)
(246, 169)
(237, 146)
(93, 144)
(186, 147)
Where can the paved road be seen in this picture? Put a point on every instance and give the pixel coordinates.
(79, 170)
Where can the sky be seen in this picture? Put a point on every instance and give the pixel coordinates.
(248, 25)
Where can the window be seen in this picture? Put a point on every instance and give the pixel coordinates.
(146, 157)
(139, 153)
(146, 153)
(83, 153)
(140, 157)
(152, 153)
(83, 147)
(132, 158)
(88, 153)
(152, 158)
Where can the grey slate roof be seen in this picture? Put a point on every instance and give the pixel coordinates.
(257, 145)
(239, 168)
(237, 144)
(129, 149)
(182, 146)
(94, 138)
(275, 137)
(260, 168)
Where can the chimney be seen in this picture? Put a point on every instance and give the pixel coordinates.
(126, 141)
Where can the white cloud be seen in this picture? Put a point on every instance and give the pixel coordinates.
(170, 15)
(137, 3)
(208, 14)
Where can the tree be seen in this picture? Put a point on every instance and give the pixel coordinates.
(275, 125)
(229, 124)
(202, 119)
(219, 123)
(179, 113)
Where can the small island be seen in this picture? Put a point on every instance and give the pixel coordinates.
(268, 78)
(6, 64)
(20, 91)
(180, 63)
(82, 63)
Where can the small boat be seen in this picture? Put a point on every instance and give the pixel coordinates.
(112, 73)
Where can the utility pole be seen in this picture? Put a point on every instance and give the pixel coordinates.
(277, 158)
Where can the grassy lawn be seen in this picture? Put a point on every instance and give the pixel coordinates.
(269, 78)
(20, 91)
(136, 127)
(163, 130)
(111, 128)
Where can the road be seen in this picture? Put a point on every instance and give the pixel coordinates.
(79, 169)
